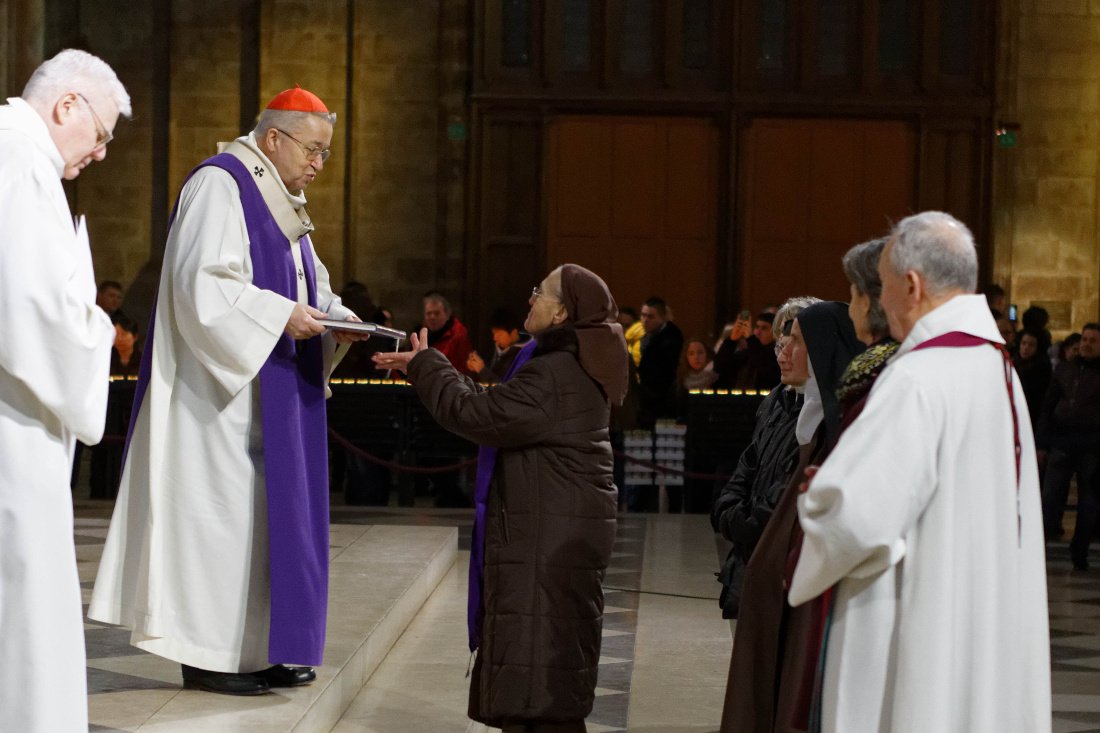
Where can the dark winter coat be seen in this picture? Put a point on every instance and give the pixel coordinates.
(550, 528)
(749, 497)
(1071, 409)
(657, 374)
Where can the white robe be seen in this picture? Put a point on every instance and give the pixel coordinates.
(185, 565)
(940, 622)
(55, 352)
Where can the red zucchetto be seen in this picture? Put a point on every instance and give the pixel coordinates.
(297, 100)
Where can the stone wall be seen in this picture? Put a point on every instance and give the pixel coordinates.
(1048, 235)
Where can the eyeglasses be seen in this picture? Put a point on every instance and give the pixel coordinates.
(310, 151)
(536, 293)
(781, 344)
(102, 136)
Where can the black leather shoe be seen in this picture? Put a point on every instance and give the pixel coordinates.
(223, 683)
(282, 676)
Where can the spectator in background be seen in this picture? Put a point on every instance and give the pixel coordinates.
(751, 365)
(995, 298)
(633, 333)
(661, 347)
(1007, 329)
(1069, 436)
(357, 363)
(109, 296)
(446, 333)
(1068, 349)
(507, 342)
(1034, 370)
(1036, 319)
(125, 358)
(697, 367)
(106, 460)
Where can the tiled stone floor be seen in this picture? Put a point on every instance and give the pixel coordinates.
(665, 649)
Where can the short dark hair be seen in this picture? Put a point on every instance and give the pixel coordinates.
(1091, 326)
(1035, 317)
(657, 303)
(108, 284)
(766, 317)
(504, 319)
(128, 324)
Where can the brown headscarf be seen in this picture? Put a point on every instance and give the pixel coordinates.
(592, 312)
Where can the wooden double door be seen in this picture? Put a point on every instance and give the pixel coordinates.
(636, 199)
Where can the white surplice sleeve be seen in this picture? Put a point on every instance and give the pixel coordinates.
(871, 489)
(54, 340)
(327, 300)
(229, 324)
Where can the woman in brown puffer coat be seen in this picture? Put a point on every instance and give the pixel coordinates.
(546, 502)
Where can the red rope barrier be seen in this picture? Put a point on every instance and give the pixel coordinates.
(357, 451)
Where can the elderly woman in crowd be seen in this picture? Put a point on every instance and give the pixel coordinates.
(770, 644)
(746, 502)
(546, 503)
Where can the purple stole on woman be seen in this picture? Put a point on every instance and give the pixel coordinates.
(486, 464)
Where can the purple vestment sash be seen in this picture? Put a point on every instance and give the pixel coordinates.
(292, 397)
(486, 464)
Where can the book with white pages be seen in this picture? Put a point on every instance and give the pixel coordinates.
(362, 327)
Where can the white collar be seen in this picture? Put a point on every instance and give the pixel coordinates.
(21, 116)
(967, 313)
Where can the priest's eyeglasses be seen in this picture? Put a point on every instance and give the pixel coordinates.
(102, 135)
(310, 151)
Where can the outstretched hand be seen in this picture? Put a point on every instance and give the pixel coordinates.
(400, 359)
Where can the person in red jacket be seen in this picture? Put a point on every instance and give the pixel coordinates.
(445, 332)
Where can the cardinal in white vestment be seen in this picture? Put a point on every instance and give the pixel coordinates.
(926, 517)
(217, 555)
(55, 351)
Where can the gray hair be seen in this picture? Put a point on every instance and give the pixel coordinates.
(790, 310)
(939, 248)
(287, 120)
(861, 268)
(433, 296)
(75, 71)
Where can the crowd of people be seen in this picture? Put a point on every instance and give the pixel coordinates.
(887, 525)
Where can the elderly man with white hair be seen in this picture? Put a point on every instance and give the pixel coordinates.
(55, 351)
(217, 555)
(926, 518)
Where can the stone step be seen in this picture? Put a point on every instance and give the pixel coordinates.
(380, 577)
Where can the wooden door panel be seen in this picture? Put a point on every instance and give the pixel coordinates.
(652, 228)
(582, 157)
(814, 188)
(689, 212)
(636, 166)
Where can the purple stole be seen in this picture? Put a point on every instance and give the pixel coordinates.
(486, 464)
(292, 396)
